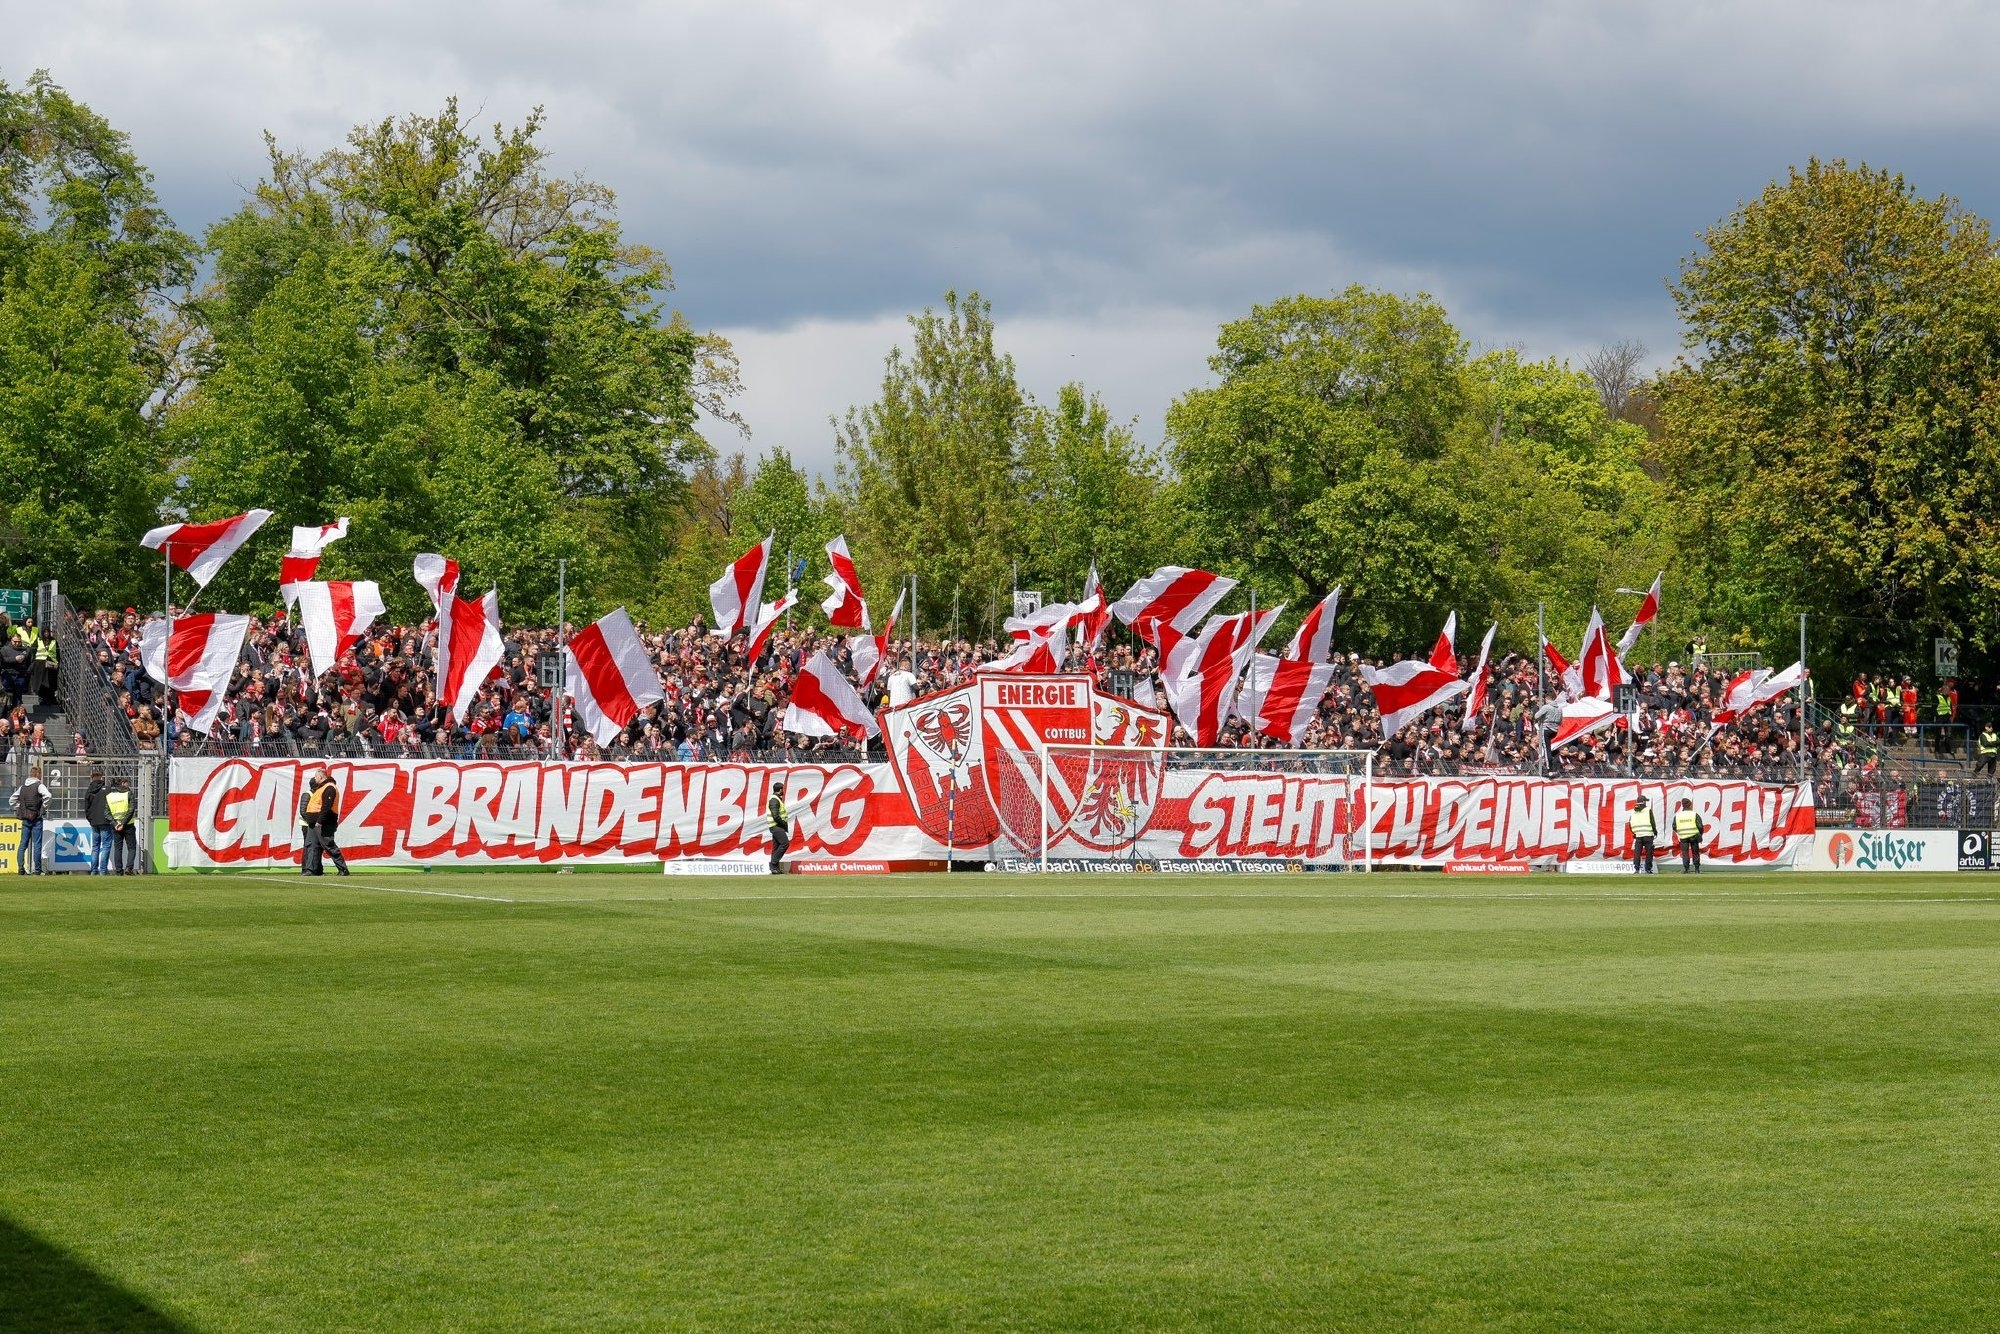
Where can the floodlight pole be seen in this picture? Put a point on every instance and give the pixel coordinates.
(561, 728)
(1541, 660)
(1805, 693)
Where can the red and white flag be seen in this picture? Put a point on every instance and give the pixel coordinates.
(1759, 685)
(1201, 673)
(1172, 595)
(1648, 609)
(1041, 641)
(334, 616)
(844, 607)
(1314, 640)
(201, 548)
(1581, 717)
(1476, 699)
(610, 676)
(1444, 653)
(301, 563)
(871, 651)
(824, 703)
(468, 650)
(767, 619)
(738, 595)
(1566, 673)
(1597, 664)
(1405, 691)
(198, 663)
(1093, 612)
(439, 578)
(1281, 696)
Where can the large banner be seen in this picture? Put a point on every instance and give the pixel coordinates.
(1127, 813)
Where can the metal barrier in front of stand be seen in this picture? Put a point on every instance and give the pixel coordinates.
(67, 834)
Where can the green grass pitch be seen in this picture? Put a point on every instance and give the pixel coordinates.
(603, 1101)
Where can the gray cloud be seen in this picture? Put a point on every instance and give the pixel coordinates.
(1116, 177)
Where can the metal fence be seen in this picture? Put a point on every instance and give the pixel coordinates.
(88, 699)
(68, 780)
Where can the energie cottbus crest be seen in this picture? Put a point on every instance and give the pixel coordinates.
(970, 761)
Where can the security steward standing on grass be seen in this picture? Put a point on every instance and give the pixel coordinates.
(1644, 831)
(781, 828)
(310, 800)
(329, 823)
(125, 836)
(1688, 830)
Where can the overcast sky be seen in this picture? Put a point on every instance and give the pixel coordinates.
(1117, 178)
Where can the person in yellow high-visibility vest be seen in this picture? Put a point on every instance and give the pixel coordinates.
(781, 828)
(124, 833)
(311, 802)
(1644, 832)
(1688, 830)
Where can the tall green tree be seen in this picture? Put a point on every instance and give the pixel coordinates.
(89, 338)
(1325, 456)
(1089, 493)
(928, 469)
(434, 306)
(1829, 431)
(778, 500)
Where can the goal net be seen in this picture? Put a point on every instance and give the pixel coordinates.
(1095, 807)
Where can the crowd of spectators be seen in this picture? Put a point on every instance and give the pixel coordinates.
(380, 701)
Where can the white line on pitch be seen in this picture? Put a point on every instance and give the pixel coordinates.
(392, 889)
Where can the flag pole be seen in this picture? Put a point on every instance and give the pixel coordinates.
(167, 656)
(1541, 659)
(915, 666)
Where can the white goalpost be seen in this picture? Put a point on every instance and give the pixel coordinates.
(1155, 805)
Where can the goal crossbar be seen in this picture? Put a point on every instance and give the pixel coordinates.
(1054, 758)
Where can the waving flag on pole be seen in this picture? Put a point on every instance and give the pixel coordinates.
(1405, 690)
(1444, 653)
(335, 615)
(1581, 717)
(1600, 669)
(201, 548)
(823, 703)
(468, 650)
(1041, 641)
(439, 578)
(1172, 595)
(1093, 612)
(766, 619)
(739, 593)
(1314, 640)
(1202, 673)
(198, 663)
(869, 651)
(301, 563)
(845, 606)
(1476, 700)
(1757, 686)
(610, 676)
(1281, 696)
(1566, 674)
(1648, 609)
